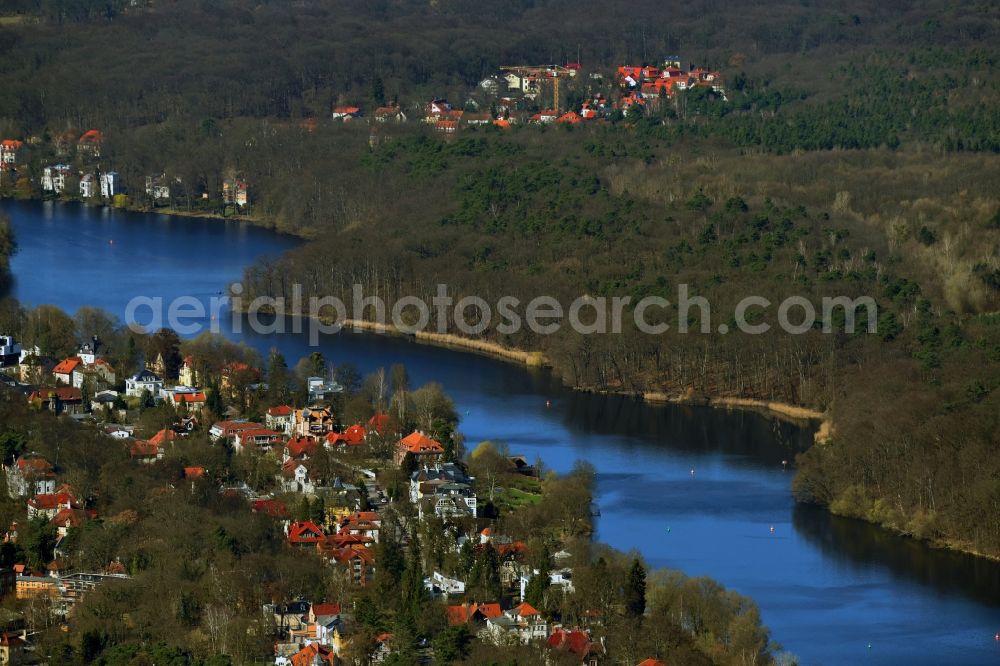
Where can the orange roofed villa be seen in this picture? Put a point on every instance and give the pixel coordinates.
(424, 449)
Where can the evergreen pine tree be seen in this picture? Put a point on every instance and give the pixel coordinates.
(635, 590)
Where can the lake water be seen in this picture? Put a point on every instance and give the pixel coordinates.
(832, 591)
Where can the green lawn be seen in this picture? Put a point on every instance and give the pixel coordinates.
(517, 498)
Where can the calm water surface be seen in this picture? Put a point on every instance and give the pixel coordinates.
(828, 587)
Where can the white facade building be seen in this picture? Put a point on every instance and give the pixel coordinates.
(110, 184)
(54, 178)
(145, 380)
(88, 186)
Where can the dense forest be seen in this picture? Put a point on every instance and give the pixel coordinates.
(854, 154)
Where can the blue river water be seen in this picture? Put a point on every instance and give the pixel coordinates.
(832, 591)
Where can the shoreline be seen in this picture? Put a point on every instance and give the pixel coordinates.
(259, 222)
(796, 414)
(787, 412)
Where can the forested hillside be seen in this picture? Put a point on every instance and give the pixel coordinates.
(74, 64)
(854, 154)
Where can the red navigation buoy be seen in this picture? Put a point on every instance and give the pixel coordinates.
(996, 636)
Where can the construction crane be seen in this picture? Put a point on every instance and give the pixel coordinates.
(553, 72)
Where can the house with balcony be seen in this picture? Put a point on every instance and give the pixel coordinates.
(259, 439)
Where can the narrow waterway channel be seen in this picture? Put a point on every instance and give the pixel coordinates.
(833, 591)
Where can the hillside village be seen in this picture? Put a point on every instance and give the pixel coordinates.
(346, 493)
(69, 165)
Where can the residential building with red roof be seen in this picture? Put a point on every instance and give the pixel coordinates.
(86, 365)
(472, 613)
(9, 149)
(30, 474)
(305, 533)
(346, 113)
(354, 435)
(652, 662)
(301, 448)
(228, 429)
(577, 643)
(260, 439)
(90, 143)
(314, 654)
(61, 400)
(421, 447)
(389, 114)
(279, 418)
(191, 401)
(337, 542)
(319, 610)
(358, 564)
(274, 508)
(63, 372)
(523, 623)
(66, 519)
(164, 436)
(545, 116)
(366, 524)
(446, 126)
(379, 424)
(435, 109)
(49, 504)
(145, 452)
